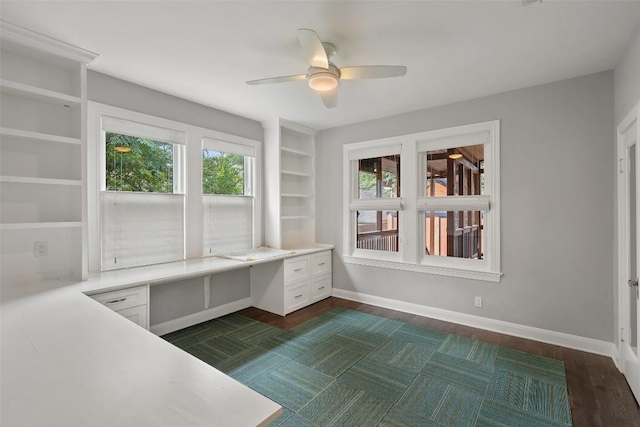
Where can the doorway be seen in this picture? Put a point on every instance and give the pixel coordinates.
(629, 246)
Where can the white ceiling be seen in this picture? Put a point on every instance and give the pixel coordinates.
(204, 51)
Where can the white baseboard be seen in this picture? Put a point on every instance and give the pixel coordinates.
(199, 317)
(575, 342)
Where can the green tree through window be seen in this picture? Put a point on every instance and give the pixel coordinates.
(222, 173)
(147, 167)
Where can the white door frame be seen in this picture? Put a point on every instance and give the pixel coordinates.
(623, 234)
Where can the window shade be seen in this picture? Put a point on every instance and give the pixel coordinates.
(141, 229)
(394, 204)
(462, 140)
(228, 224)
(228, 147)
(141, 130)
(443, 203)
(371, 152)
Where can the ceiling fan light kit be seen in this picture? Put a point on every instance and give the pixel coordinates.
(323, 76)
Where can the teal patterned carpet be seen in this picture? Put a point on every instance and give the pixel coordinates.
(347, 368)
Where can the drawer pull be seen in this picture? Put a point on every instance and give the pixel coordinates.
(298, 269)
(115, 301)
(298, 296)
(321, 287)
(322, 263)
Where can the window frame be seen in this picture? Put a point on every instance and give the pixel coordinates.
(250, 184)
(411, 224)
(354, 203)
(190, 179)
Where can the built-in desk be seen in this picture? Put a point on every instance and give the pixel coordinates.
(69, 361)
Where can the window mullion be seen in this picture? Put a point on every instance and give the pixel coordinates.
(408, 226)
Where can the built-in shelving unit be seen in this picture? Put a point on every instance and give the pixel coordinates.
(289, 184)
(42, 155)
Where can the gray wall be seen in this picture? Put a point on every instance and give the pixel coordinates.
(174, 300)
(557, 153)
(119, 93)
(627, 79)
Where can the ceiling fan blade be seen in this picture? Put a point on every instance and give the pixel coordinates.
(372, 72)
(313, 49)
(277, 79)
(330, 98)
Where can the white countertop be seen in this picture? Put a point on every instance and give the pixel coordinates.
(66, 360)
(174, 271)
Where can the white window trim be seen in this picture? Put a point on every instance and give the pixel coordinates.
(410, 256)
(191, 178)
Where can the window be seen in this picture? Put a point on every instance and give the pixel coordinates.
(378, 178)
(227, 196)
(451, 173)
(138, 164)
(164, 191)
(142, 201)
(443, 219)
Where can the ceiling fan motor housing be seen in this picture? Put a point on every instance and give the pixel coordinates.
(322, 79)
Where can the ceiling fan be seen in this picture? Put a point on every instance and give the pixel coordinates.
(323, 75)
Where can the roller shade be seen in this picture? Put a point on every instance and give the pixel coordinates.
(454, 203)
(141, 130)
(394, 204)
(228, 147)
(227, 223)
(463, 140)
(141, 229)
(371, 152)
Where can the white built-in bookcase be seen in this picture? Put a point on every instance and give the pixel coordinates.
(289, 185)
(42, 149)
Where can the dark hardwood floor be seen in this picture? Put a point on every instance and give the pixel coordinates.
(598, 392)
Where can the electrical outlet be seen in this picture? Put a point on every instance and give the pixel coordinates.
(478, 302)
(40, 249)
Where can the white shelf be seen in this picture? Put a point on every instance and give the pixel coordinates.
(40, 225)
(306, 196)
(296, 173)
(296, 152)
(35, 180)
(38, 136)
(288, 217)
(9, 87)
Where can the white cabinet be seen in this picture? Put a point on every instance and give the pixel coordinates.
(289, 184)
(131, 303)
(43, 131)
(282, 287)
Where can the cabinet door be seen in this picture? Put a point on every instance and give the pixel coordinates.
(296, 296)
(320, 263)
(321, 287)
(122, 299)
(137, 315)
(296, 269)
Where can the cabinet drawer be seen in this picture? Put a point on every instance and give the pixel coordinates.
(321, 263)
(296, 296)
(125, 298)
(321, 287)
(137, 315)
(295, 269)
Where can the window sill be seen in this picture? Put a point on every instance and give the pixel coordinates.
(485, 276)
